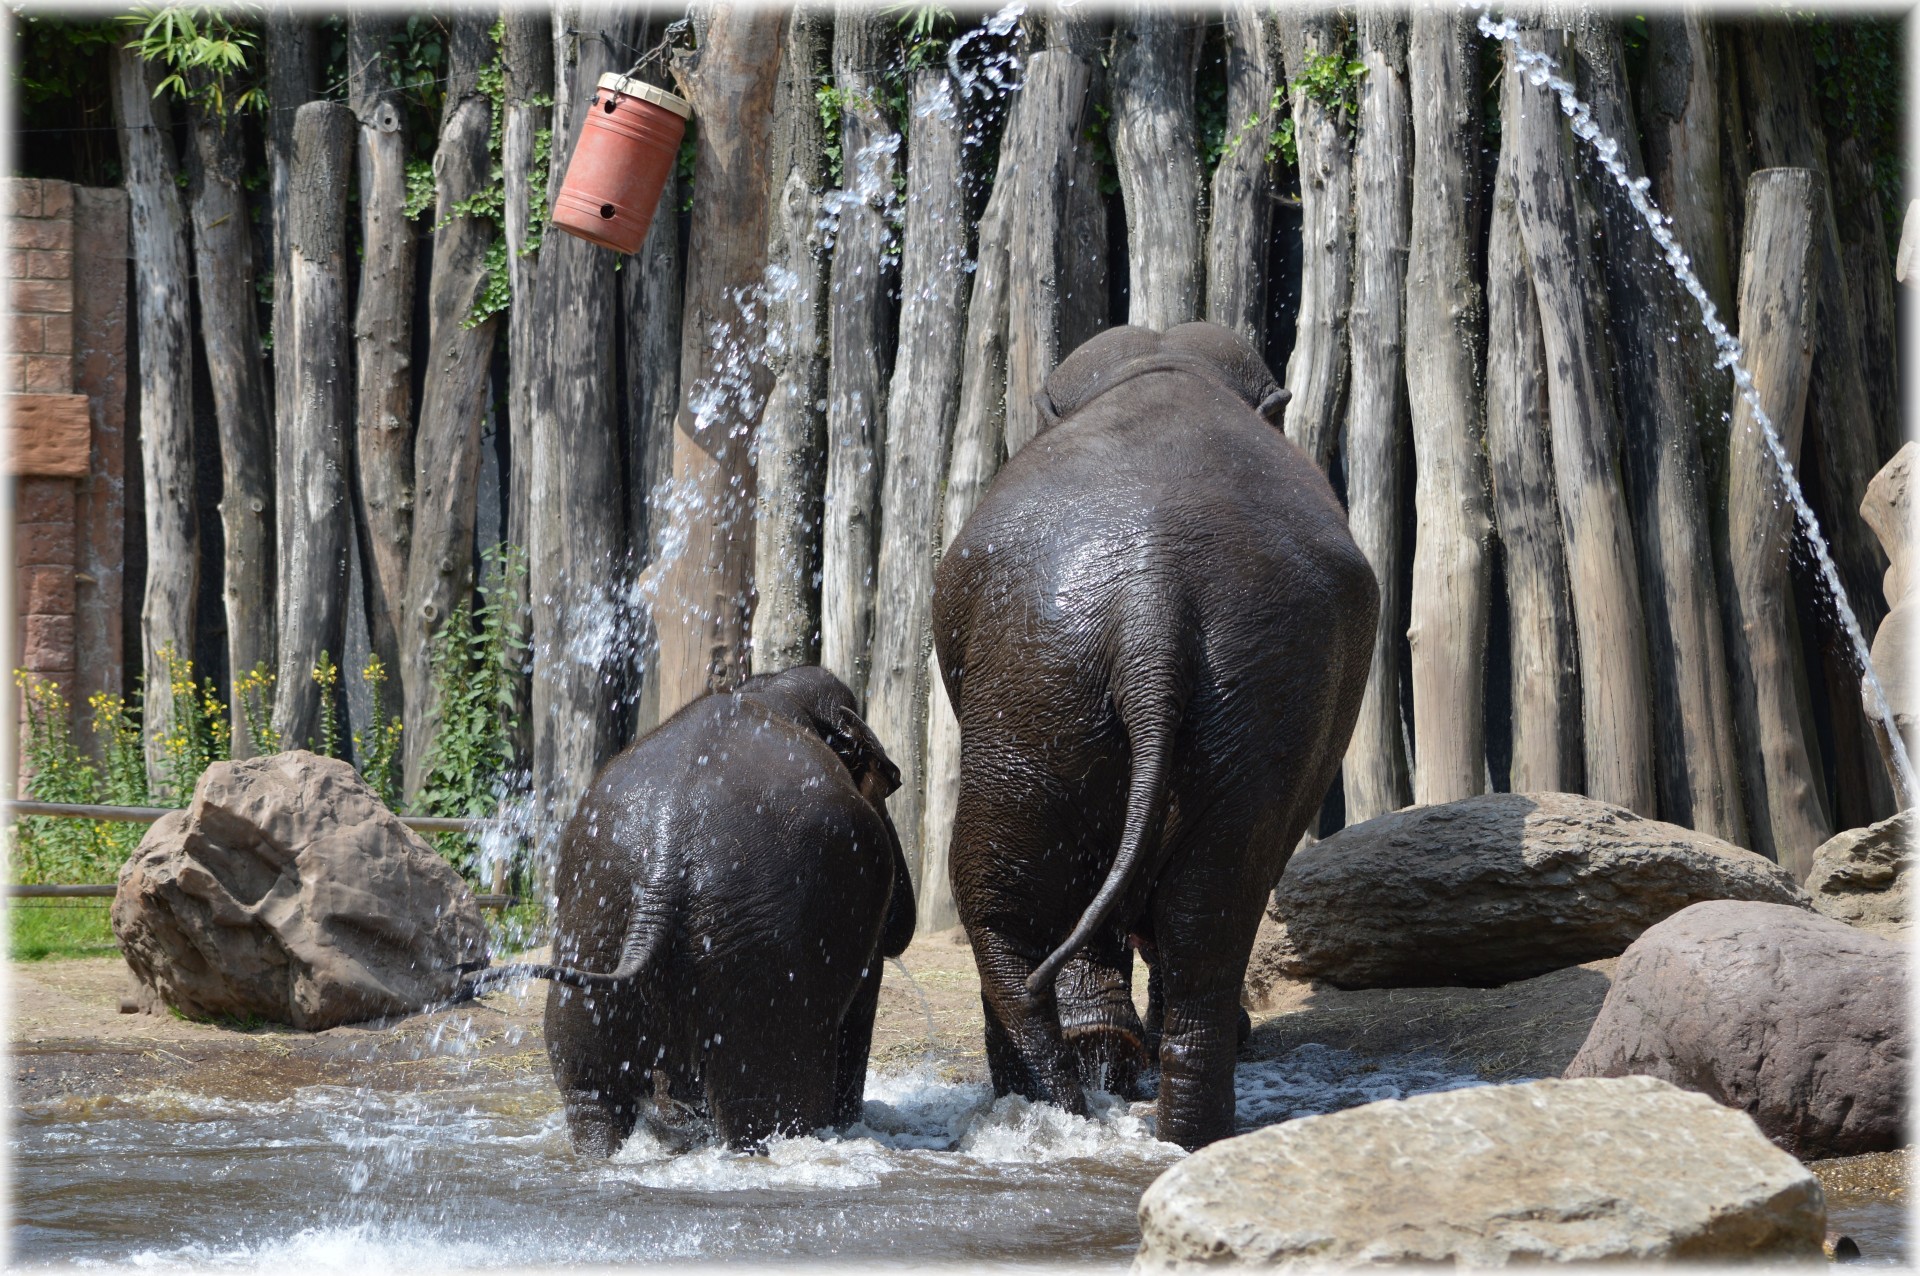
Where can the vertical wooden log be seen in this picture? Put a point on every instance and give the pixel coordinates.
(1375, 772)
(1156, 154)
(921, 404)
(1084, 305)
(230, 334)
(314, 516)
(793, 432)
(861, 326)
(453, 399)
(1777, 311)
(1601, 569)
(1447, 618)
(292, 70)
(1040, 266)
(1867, 267)
(704, 606)
(159, 233)
(1696, 771)
(1680, 116)
(1545, 660)
(383, 339)
(577, 541)
(1242, 207)
(1317, 369)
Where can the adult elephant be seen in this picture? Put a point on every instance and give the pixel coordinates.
(727, 891)
(1155, 630)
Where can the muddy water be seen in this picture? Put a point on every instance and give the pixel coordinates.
(339, 1179)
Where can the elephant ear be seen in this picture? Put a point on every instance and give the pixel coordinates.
(860, 749)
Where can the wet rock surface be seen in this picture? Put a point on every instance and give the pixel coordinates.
(1794, 1018)
(1559, 1171)
(1860, 876)
(1496, 888)
(287, 892)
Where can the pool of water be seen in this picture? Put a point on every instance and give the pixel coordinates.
(336, 1179)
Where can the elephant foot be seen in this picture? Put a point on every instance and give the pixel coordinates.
(1110, 1058)
(596, 1123)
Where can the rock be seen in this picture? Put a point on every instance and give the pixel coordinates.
(286, 891)
(1859, 876)
(1888, 510)
(1495, 888)
(1546, 1171)
(1796, 1019)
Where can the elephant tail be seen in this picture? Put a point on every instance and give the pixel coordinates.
(649, 930)
(1150, 708)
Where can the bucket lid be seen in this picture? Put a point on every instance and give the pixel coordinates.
(646, 93)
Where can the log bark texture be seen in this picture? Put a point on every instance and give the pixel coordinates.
(793, 432)
(1323, 136)
(1545, 689)
(158, 227)
(921, 404)
(383, 338)
(704, 604)
(1156, 155)
(1601, 568)
(1447, 615)
(292, 71)
(1696, 771)
(1375, 775)
(861, 329)
(230, 335)
(578, 567)
(453, 397)
(314, 515)
(1778, 308)
(1241, 214)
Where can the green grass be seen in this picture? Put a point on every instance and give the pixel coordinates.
(38, 930)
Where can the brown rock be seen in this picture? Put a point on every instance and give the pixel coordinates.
(1495, 888)
(287, 891)
(1859, 876)
(1794, 1018)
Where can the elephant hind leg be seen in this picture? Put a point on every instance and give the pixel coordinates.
(1098, 1020)
(855, 1044)
(1025, 1050)
(759, 1086)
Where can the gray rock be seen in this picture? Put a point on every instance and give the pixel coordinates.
(1796, 1019)
(1546, 1171)
(1495, 888)
(1860, 876)
(286, 891)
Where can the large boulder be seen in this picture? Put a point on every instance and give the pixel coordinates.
(1860, 876)
(1495, 888)
(287, 892)
(1548, 1171)
(1796, 1019)
(1888, 510)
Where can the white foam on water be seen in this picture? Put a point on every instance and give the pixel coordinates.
(365, 1249)
(1313, 1080)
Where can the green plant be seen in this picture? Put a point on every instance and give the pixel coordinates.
(419, 188)
(204, 52)
(379, 752)
(40, 929)
(254, 692)
(475, 656)
(326, 676)
(198, 733)
(117, 729)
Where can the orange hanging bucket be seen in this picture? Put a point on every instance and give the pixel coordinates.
(621, 163)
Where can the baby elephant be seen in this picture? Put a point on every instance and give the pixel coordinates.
(727, 891)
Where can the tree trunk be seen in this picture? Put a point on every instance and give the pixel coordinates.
(527, 50)
(292, 70)
(1317, 369)
(578, 567)
(1375, 771)
(1545, 661)
(383, 339)
(974, 459)
(1242, 212)
(1680, 112)
(861, 332)
(1156, 154)
(1083, 302)
(1585, 433)
(314, 517)
(1868, 269)
(230, 333)
(793, 433)
(453, 399)
(921, 404)
(1447, 619)
(1696, 770)
(1041, 269)
(704, 603)
(159, 233)
(1777, 310)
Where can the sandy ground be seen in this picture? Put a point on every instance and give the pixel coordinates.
(68, 1036)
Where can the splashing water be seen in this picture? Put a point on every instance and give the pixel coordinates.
(1542, 71)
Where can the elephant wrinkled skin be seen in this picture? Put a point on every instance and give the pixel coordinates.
(735, 876)
(1155, 631)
